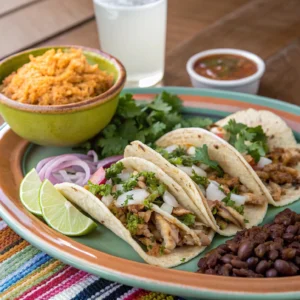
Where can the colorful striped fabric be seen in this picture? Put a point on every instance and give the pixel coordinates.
(29, 274)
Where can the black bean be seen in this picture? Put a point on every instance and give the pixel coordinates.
(288, 253)
(233, 246)
(224, 247)
(245, 250)
(275, 246)
(294, 267)
(273, 254)
(288, 237)
(210, 272)
(292, 229)
(202, 263)
(244, 273)
(226, 259)
(260, 250)
(284, 268)
(297, 260)
(262, 267)
(294, 245)
(225, 270)
(252, 262)
(236, 263)
(271, 273)
(212, 260)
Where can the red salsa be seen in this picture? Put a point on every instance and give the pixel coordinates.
(225, 67)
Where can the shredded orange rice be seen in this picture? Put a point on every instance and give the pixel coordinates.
(56, 78)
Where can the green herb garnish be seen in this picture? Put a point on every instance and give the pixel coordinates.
(143, 121)
(162, 250)
(128, 197)
(113, 171)
(231, 203)
(249, 140)
(183, 259)
(200, 179)
(132, 222)
(99, 189)
(188, 219)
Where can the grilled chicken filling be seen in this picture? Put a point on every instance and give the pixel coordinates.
(225, 194)
(131, 196)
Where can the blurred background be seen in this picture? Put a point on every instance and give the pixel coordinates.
(268, 28)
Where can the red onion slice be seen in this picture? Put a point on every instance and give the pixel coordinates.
(106, 162)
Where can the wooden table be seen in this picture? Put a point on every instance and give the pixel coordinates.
(269, 28)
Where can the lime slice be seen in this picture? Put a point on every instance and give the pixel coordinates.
(29, 192)
(60, 214)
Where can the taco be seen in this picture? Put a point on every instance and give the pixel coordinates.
(269, 147)
(146, 208)
(212, 173)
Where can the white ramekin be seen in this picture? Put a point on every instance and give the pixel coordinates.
(245, 85)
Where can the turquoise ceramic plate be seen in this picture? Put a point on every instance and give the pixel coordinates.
(214, 104)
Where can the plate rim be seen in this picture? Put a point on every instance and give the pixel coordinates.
(146, 283)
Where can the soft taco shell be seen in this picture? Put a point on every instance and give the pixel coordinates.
(278, 134)
(231, 162)
(138, 149)
(96, 209)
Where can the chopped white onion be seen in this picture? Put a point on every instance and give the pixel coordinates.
(213, 193)
(202, 188)
(167, 208)
(199, 171)
(238, 199)
(107, 200)
(170, 199)
(191, 151)
(119, 187)
(138, 195)
(204, 166)
(263, 161)
(187, 170)
(124, 176)
(171, 148)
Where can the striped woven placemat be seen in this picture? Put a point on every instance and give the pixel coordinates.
(29, 274)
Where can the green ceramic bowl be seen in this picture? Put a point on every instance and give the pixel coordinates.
(62, 125)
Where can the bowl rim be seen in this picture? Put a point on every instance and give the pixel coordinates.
(78, 106)
(226, 83)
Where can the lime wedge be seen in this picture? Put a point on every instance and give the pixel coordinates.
(60, 214)
(29, 192)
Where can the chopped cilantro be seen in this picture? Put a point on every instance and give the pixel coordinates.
(150, 247)
(116, 194)
(130, 183)
(128, 197)
(214, 210)
(231, 203)
(199, 179)
(249, 140)
(144, 121)
(183, 259)
(132, 222)
(113, 171)
(162, 250)
(148, 204)
(102, 189)
(188, 219)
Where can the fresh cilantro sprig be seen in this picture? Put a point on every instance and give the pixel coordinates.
(249, 140)
(143, 121)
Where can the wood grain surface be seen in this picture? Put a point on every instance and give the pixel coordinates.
(269, 28)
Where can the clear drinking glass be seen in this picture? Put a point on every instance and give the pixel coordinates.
(134, 31)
